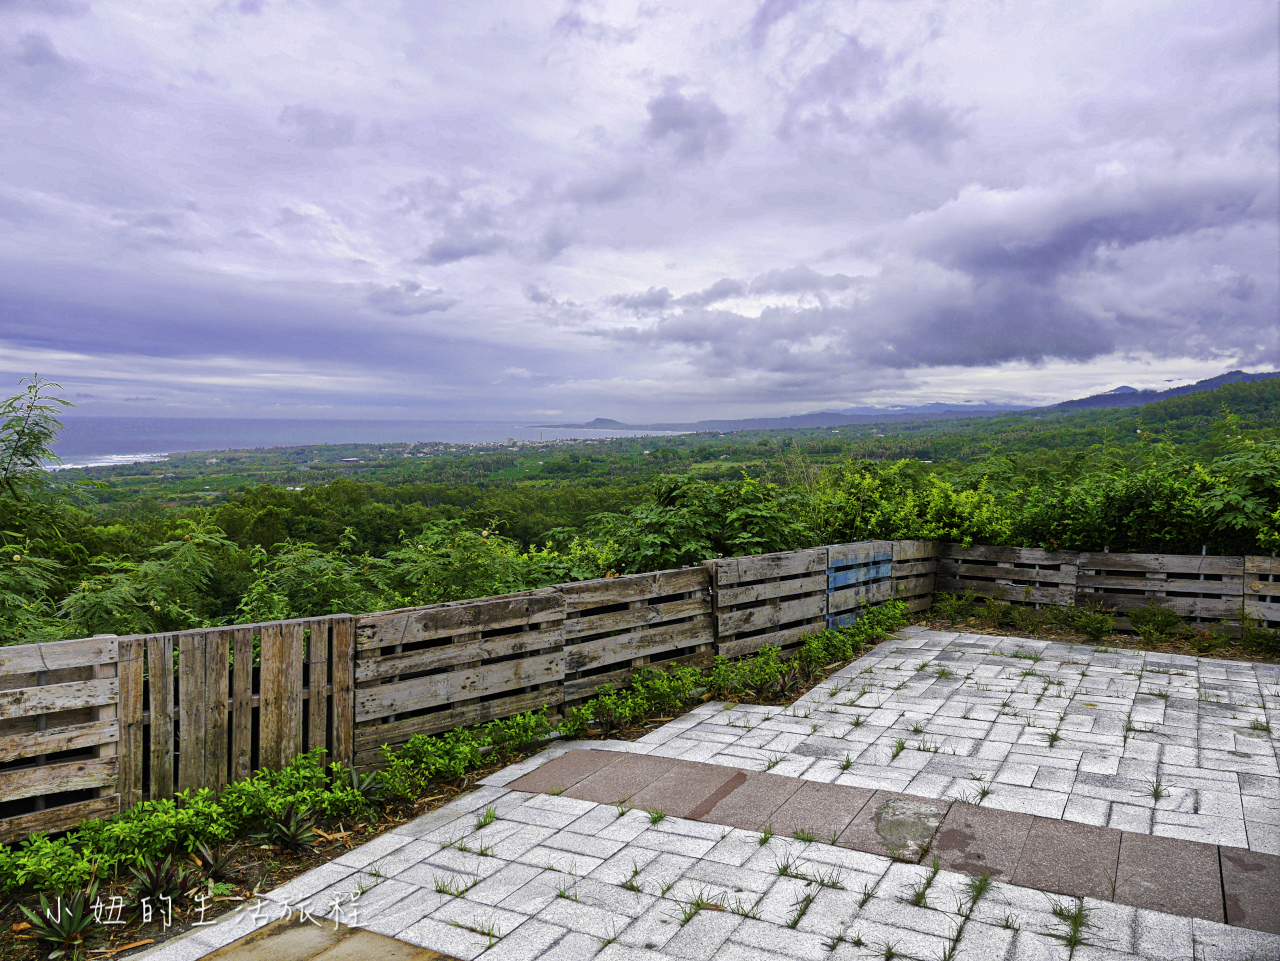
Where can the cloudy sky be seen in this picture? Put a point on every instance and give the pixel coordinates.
(323, 208)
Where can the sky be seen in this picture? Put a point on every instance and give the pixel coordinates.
(649, 210)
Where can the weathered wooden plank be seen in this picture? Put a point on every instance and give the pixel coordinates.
(859, 575)
(915, 568)
(291, 651)
(270, 671)
(24, 701)
(1060, 596)
(737, 647)
(69, 737)
(860, 596)
(1012, 555)
(633, 617)
(918, 603)
(58, 655)
(860, 552)
(1261, 610)
(578, 689)
(732, 596)
(371, 667)
(193, 698)
(217, 654)
(774, 614)
(242, 704)
(369, 737)
(317, 680)
(160, 672)
(948, 567)
(740, 570)
(1216, 608)
(646, 643)
(344, 711)
(1166, 563)
(61, 818)
(132, 654)
(1261, 567)
(909, 550)
(56, 778)
(108, 712)
(904, 587)
(458, 685)
(414, 624)
(583, 595)
(1104, 582)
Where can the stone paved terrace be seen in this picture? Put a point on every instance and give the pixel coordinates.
(1148, 747)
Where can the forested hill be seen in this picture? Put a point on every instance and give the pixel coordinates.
(1140, 397)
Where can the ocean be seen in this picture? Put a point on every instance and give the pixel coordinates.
(100, 441)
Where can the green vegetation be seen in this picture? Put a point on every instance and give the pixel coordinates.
(264, 535)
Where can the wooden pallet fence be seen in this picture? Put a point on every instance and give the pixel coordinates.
(1018, 575)
(1262, 591)
(59, 734)
(618, 624)
(858, 576)
(915, 567)
(1200, 589)
(208, 711)
(429, 669)
(771, 599)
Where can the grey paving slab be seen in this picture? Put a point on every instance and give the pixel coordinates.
(1068, 858)
(1175, 877)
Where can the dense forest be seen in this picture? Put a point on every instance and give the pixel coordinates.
(256, 535)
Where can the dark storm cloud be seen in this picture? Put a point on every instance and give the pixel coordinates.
(313, 127)
(928, 125)
(767, 14)
(408, 297)
(695, 125)
(51, 8)
(459, 245)
(655, 298)
(721, 290)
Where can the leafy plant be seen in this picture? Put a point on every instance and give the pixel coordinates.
(1155, 623)
(160, 878)
(65, 925)
(291, 828)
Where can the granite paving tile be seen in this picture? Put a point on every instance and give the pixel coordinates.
(751, 804)
(1068, 858)
(617, 782)
(1251, 889)
(975, 840)
(565, 771)
(685, 789)
(1165, 874)
(821, 810)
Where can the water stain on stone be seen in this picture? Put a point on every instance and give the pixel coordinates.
(907, 827)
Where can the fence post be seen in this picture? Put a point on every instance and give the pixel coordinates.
(344, 709)
(130, 661)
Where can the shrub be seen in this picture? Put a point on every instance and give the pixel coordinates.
(1155, 623)
(954, 607)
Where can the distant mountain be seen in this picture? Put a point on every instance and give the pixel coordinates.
(973, 408)
(856, 416)
(1128, 397)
